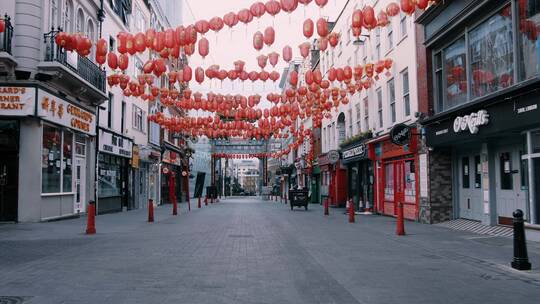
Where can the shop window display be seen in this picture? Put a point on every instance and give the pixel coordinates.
(410, 182)
(389, 182)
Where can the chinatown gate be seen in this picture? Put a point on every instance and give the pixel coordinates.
(223, 150)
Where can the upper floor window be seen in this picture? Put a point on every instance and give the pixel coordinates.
(68, 16)
(491, 52)
(403, 25)
(528, 49)
(392, 99)
(380, 107)
(390, 34)
(80, 22)
(54, 14)
(406, 97)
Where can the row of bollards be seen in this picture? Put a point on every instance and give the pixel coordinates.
(91, 212)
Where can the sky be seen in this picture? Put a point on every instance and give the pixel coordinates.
(227, 47)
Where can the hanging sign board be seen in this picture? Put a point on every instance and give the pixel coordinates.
(17, 101)
(401, 134)
(59, 111)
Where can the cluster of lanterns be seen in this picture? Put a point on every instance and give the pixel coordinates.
(239, 156)
(74, 42)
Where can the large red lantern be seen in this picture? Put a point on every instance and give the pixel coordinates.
(273, 58)
(169, 38)
(274, 76)
(264, 75)
(304, 49)
(216, 24)
(258, 41)
(262, 60)
(239, 66)
(112, 60)
(191, 34)
(293, 78)
(187, 73)
(245, 16)
(408, 6)
(323, 44)
(392, 9)
(121, 39)
(160, 67)
(308, 28)
(202, 26)
(101, 47)
(422, 4)
(100, 59)
(257, 9)
(289, 5)
(287, 53)
(269, 36)
(273, 7)
(230, 19)
(357, 19)
(149, 37)
(199, 75)
(189, 49)
(123, 62)
(253, 76)
(333, 39)
(139, 43)
(322, 27)
(368, 14)
(203, 47)
(321, 3)
(159, 42)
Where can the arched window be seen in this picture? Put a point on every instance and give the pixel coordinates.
(68, 16)
(53, 22)
(80, 22)
(90, 32)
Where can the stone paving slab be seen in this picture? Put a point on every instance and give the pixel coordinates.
(244, 250)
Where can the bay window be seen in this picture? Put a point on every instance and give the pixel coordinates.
(56, 160)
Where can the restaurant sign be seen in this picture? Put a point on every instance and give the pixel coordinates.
(358, 151)
(64, 113)
(17, 101)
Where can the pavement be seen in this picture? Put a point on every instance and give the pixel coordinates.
(245, 250)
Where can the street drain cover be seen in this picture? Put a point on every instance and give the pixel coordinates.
(240, 235)
(13, 300)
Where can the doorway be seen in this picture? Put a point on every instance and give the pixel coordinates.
(470, 187)
(9, 170)
(509, 184)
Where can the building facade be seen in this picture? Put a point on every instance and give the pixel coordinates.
(483, 112)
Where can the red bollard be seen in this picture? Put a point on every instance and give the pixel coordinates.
(400, 229)
(326, 212)
(199, 203)
(175, 207)
(150, 211)
(351, 211)
(91, 223)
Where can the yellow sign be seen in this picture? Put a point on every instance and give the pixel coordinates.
(135, 158)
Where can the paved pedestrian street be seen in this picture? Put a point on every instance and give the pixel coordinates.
(245, 250)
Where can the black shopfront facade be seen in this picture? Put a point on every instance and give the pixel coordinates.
(485, 107)
(359, 175)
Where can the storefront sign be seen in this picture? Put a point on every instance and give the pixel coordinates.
(171, 157)
(333, 156)
(135, 159)
(471, 122)
(114, 144)
(17, 101)
(359, 151)
(323, 159)
(64, 113)
(401, 134)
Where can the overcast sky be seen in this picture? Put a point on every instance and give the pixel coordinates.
(226, 48)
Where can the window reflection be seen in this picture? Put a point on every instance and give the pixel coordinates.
(456, 75)
(529, 21)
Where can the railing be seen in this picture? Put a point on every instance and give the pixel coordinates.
(5, 37)
(83, 66)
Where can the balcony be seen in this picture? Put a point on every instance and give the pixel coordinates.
(7, 61)
(79, 76)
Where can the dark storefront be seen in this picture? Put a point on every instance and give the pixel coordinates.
(359, 174)
(171, 174)
(115, 152)
(485, 61)
(333, 179)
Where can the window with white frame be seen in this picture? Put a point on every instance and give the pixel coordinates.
(68, 16)
(390, 34)
(392, 99)
(366, 114)
(138, 118)
(80, 21)
(406, 97)
(403, 25)
(56, 160)
(378, 43)
(53, 22)
(380, 107)
(357, 108)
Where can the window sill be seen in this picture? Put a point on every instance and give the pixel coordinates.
(57, 194)
(401, 39)
(388, 52)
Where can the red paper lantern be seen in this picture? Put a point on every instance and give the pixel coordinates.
(368, 14)
(101, 47)
(121, 39)
(189, 49)
(289, 5)
(273, 58)
(239, 66)
(257, 9)
(264, 75)
(422, 4)
(357, 19)
(407, 6)
(321, 3)
(273, 7)
(382, 19)
(232, 75)
(392, 9)
(187, 73)
(269, 36)
(191, 34)
(274, 76)
(323, 44)
(253, 76)
(262, 60)
(308, 28)
(123, 62)
(287, 53)
(230, 19)
(139, 43)
(357, 31)
(169, 38)
(149, 37)
(293, 78)
(160, 67)
(159, 42)
(258, 41)
(112, 60)
(245, 16)
(199, 75)
(333, 39)
(322, 27)
(203, 47)
(202, 26)
(216, 24)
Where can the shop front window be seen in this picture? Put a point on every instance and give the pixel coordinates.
(528, 26)
(110, 181)
(56, 160)
(491, 51)
(410, 182)
(535, 141)
(389, 182)
(456, 75)
(51, 160)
